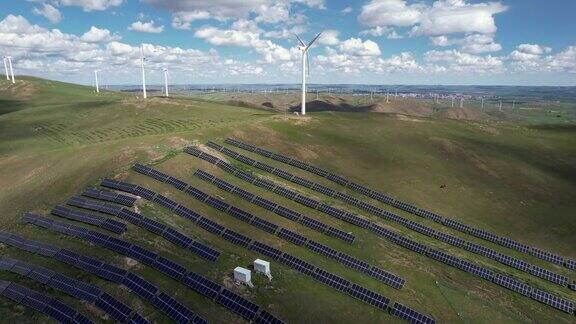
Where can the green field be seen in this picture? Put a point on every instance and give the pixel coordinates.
(516, 180)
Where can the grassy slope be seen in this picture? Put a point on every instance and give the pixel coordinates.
(513, 180)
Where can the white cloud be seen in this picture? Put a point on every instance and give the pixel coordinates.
(146, 27)
(347, 10)
(117, 48)
(533, 49)
(457, 61)
(357, 47)
(183, 19)
(91, 5)
(473, 43)
(378, 31)
(329, 37)
(389, 13)
(97, 35)
(49, 12)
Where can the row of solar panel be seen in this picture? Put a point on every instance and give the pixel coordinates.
(296, 238)
(109, 196)
(102, 222)
(283, 233)
(503, 241)
(140, 286)
(78, 289)
(166, 304)
(276, 208)
(354, 219)
(377, 229)
(157, 228)
(42, 303)
(355, 291)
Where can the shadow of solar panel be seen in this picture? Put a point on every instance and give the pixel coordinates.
(152, 226)
(444, 257)
(197, 193)
(113, 307)
(264, 184)
(266, 250)
(202, 285)
(297, 264)
(355, 220)
(331, 280)
(132, 217)
(266, 318)
(322, 249)
(243, 194)
(237, 304)
(314, 224)
(236, 238)
(307, 201)
(554, 301)
(176, 237)
(285, 192)
(175, 310)
(264, 166)
(245, 176)
(410, 315)
(452, 240)
(549, 275)
(144, 193)
(353, 263)
(264, 225)
(547, 256)
(139, 286)
(512, 284)
(292, 236)
(177, 183)
(479, 249)
(112, 273)
(165, 201)
(368, 296)
(187, 213)
(142, 255)
(513, 262)
(210, 226)
(170, 268)
(204, 251)
(264, 203)
(410, 244)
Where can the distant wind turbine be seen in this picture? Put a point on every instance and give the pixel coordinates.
(9, 59)
(304, 48)
(143, 72)
(166, 82)
(96, 81)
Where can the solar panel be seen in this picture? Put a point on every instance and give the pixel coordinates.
(202, 285)
(139, 286)
(196, 193)
(264, 166)
(142, 255)
(554, 301)
(359, 188)
(240, 214)
(292, 236)
(353, 263)
(245, 176)
(238, 304)
(281, 158)
(144, 193)
(306, 201)
(265, 203)
(549, 275)
(132, 217)
(117, 310)
(176, 237)
(368, 296)
(334, 232)
(285, 192)
(141, 168)
(547, 256)
(318, 171)
(204, 175)
(165, 201)
(226, 166)
(512, 284)
(480, 233)
(174, 309)
(297, 264)
(331, 280)
(236, 238)
(204, 251)
(452, 240)
(246, 160)
(264, 184)
(314, 224)
(187, 213)
(322, 249)
(264, 225)
(288, 213)
(217, 203)
(482, 250)
(88, 263)
(410, 244)
(152, 226)
(266, 318)
(263, 152)
(177, 183)
(67, 257)
(266, 250)
(570, 264)
(301, 181)
(476, 270)
(456, 225)
(355, 220)
(338, 179)
(444, 258)
(421, 228)
(210, 226)
(513, 262)
(170, 268)
(224, 185)
(243, 194)
(111, 273)
(410, 315)
(383, 232)
(430, 215)
(346, 198)
(114, 226)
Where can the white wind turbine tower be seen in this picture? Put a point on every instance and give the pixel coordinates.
(9, 59)
(166, 82)
(96, 81)
(304, 48)
(5, 60)
(143, 72)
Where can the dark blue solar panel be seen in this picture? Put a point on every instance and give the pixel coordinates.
(210, 226)
(202, 285)
(142, 255)
(264, 224)
(173, 308)
(152, 226)
(238, 304)
(170, 268)
(176, 237)
(140, 286)
(117, 310)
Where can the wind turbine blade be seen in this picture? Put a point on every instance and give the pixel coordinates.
(312, 42)
(300, 40)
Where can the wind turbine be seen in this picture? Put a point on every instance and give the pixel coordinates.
(143, 72)
(9, 58)
(96, 81)
(166, 82)
(304, 48)
(5, 60)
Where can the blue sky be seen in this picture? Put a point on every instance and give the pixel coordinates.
(516, 42)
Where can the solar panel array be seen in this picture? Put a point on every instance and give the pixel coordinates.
(382, 232)
(99, 268)
(356, 220)
(503, 241)
(355, 291)
(142, 287)
(288, 235)
(109, 196)
(410, 315)
(47, 305)
(167, 232)
(96, 220)
(273, 207)
(78, 289)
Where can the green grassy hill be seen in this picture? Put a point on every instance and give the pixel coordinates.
(514, 180)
